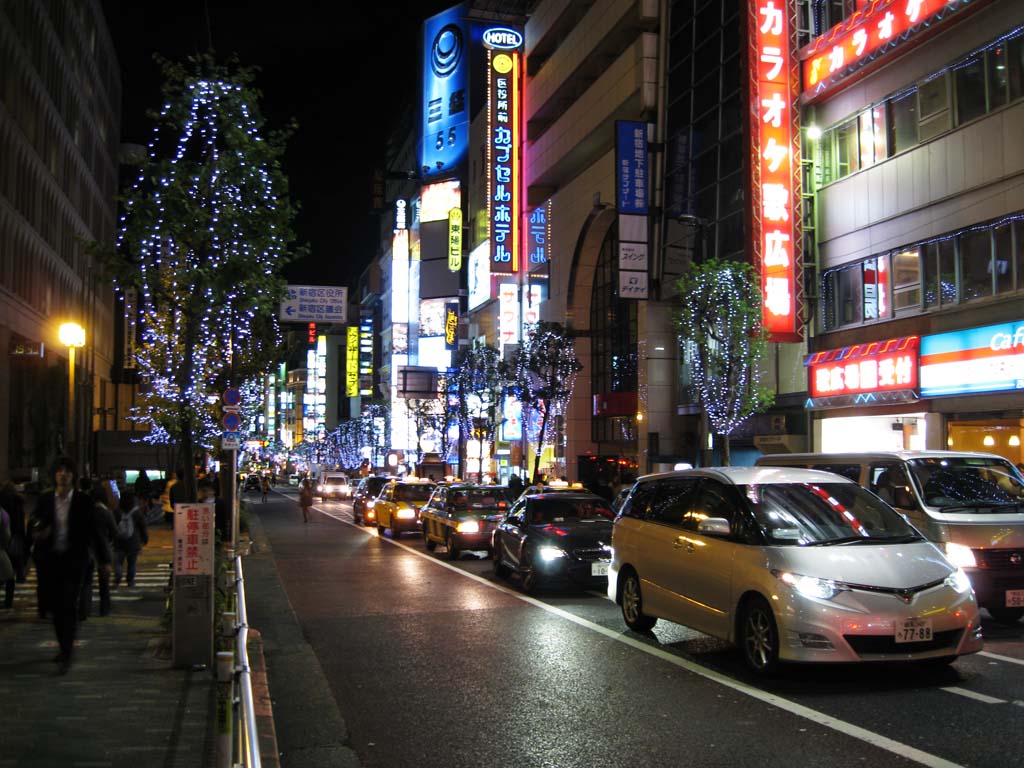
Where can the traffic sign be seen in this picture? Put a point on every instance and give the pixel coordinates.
(231, 396)
(229, 441)
(315, 304)
(231, 421)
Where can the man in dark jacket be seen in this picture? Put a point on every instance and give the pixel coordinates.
(64, 528)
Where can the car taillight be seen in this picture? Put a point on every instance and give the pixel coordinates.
(468, 526)
(406, 514)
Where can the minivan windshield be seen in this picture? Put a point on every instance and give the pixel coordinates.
(968, 483)
(825, 514)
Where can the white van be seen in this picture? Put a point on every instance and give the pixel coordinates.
(971, 504)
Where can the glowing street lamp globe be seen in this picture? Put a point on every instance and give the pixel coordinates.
(71, 335)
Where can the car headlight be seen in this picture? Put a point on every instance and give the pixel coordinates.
(468, 526)
(320, 489)
(547, 554)
(370, 503)
(811, 586)
(960, 555)
(958, 580)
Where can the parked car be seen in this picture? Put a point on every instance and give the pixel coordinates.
(970, 504)
(790, 565)
(550, 538)
(365, 492)
(463, 516)
(397, 507)
(334, 485)
(251, 483)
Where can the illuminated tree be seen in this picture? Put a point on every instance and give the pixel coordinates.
(546, 368)
(431, 418)
(207, 226)
(480, 379)
(719, 323)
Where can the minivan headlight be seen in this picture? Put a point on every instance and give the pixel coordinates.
(959, 555)
(958, 580)
(811, 586)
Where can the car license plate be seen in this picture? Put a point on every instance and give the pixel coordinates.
(599, 569)
(913, 631)
(1015, 598)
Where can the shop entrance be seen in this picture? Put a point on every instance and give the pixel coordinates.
(999, 436)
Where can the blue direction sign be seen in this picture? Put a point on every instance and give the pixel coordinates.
(315, 304)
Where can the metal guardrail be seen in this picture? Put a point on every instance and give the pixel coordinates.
(248, 744)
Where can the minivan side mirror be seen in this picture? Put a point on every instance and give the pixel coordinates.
(714, 526)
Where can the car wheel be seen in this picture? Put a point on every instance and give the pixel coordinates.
(633, 604)
(529, 579)
(500, 569)
(1006, 615)
(453, 548)
(380, 528)
(759, 637)
(429, 542)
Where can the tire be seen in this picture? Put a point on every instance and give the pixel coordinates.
(430, 544)
(633, 604)
(454, 553)
(1006, 615)
(380, 528)
(759, 637)
(529, 579)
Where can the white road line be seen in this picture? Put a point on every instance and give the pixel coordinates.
(820, 718)
(1007, 659)
(976, 696)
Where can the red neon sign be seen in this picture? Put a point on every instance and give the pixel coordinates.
(856, 38)
(774, 224)
(881, 366)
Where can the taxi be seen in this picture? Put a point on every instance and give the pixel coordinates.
(397, 507)
(462, 516)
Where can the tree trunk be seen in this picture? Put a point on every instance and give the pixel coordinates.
(726, 456)
(540, 446)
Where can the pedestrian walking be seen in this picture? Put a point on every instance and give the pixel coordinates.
(6, 569)
(132, 535)
(515, 485)
(103, 500)
(306, 499)
(264, 488)
(18, 550)
(63, 528)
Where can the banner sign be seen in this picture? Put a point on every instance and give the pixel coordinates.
(879, 366)
(987, 359)
(631, 167)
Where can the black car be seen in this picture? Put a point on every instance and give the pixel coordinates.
(367, 490)
(555, 538)
(252, 483)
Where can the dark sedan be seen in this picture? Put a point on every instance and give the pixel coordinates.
(554, 538)
(367, 490)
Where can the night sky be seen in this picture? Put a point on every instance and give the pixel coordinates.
(341, 71)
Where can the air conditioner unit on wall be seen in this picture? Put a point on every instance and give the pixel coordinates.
(780, 443)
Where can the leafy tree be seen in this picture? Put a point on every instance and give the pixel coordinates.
(480, 379)
(431, 417)
(207, 227)
(546, 368)
(720, 321)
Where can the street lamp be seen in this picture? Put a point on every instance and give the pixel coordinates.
(72, 336)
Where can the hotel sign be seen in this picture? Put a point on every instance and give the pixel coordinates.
(503, 194)
(776, 177)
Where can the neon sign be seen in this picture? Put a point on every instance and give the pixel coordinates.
(776, 184)
(352, 362)
(880, 366)
(852, 42)
(988, 359)
(503, 195)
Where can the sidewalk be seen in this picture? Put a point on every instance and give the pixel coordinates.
(122, 703)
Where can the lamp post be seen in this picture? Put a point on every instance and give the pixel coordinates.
(72, 336)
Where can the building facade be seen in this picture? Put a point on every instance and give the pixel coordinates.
(60, 107)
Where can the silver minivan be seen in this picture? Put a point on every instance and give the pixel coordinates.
(790, 565)
(970, 504)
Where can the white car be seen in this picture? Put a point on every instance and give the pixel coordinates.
(334, 485)
(790, 565)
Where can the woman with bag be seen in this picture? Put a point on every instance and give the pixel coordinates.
(306, 499)
(131, 537)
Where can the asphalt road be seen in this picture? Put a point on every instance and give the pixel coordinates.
(417, 661)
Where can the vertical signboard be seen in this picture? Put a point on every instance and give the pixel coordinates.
(503, 194)
(538, 239)
(131, 317)
(508, 313)
(192, 642)
(366, 355)
(352, 362)
(776, 172)
(454, 239)
(451, 325)
(444, 113)
(631, 196)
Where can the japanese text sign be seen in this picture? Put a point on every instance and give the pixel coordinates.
(193, 539)
(631, 167)
(503, 194)
(775, 188)
(880, 23)
(315, 303)
(879, 366)
(988, 359)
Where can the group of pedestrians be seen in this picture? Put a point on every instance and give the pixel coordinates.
(73, 536)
